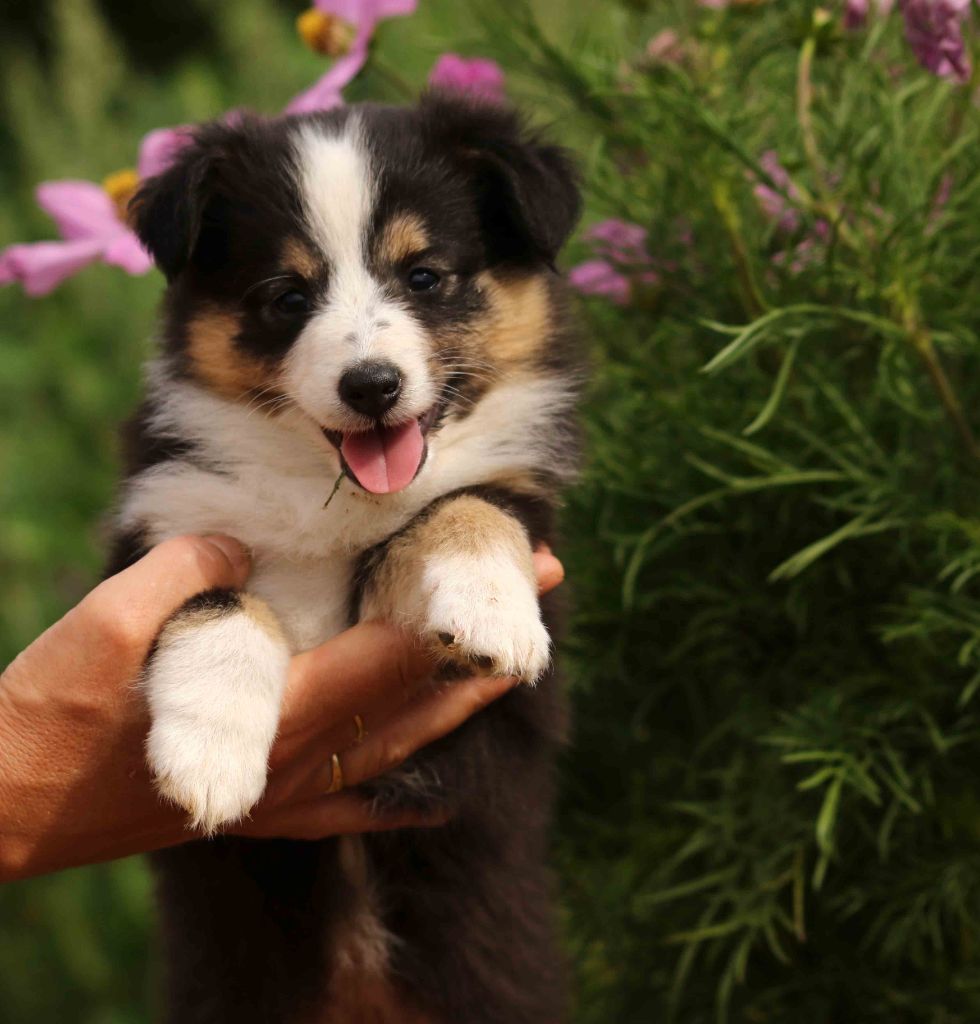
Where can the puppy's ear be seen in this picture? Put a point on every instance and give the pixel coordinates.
(168, 210)
(180, 215)
(528, 189)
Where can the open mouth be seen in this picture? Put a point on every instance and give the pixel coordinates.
(384, 459)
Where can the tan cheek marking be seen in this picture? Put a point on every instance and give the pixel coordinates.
(403, 235)
(520, 321)
(297, 258)
(218, 362)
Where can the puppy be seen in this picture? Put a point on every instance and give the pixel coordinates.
(367, 298)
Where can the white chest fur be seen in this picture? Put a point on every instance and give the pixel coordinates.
(311, 600)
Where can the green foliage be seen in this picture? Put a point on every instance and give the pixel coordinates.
(769, 811)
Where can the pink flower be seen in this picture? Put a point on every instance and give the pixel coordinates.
(90, 221)
(666, 47)
(598, 277)
(364, 15)
(91, 230)
(475, 76)
(774, 204)
(620, 240)
(856, 11)
(625, 261)
(934, 30)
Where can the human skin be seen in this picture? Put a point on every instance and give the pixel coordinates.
(74, 788)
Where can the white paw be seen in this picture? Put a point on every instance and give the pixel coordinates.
(214, 687)
(484, 612)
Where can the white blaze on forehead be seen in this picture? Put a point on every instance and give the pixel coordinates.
(337, 186)
(356, 321)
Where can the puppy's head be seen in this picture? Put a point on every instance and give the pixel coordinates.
(375, 268)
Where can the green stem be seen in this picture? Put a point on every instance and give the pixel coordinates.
(921, 338)
(752, 299)
(825, 204)
(804, 111)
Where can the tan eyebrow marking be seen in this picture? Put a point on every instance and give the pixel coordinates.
(297, 258)
(402, 236)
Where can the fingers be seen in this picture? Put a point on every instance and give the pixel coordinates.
(147, 593)
(549, 571)
(419, 723)
(373, 664)
(342, 814)
(301, 806)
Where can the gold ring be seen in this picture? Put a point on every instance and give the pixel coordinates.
(359, 726)
(336, 775)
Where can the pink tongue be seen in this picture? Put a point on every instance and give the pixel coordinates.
(384, 459)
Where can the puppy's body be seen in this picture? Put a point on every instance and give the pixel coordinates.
(304, 335)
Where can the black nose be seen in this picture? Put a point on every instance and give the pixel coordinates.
(371, 388)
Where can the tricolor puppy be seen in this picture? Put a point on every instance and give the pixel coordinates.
(367, 294)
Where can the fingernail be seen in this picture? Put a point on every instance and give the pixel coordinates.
(237, 554)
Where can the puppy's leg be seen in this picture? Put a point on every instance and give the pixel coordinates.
(469, 905)
(214, 683)
(463, 578)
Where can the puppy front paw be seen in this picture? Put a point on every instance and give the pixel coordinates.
(214, 686)
(483, 613)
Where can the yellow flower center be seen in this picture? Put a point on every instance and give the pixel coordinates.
(120, 188)
(325, 33)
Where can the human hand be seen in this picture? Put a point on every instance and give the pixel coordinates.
(74, 787)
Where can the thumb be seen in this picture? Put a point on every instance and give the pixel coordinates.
(152, 589)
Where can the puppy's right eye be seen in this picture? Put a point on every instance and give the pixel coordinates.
(291, 303)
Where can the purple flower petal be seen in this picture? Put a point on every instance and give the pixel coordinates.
(325, 93)
(159, 149)
(356, 12)
(773, 204)
(41, 266)
(475, 76)
(81, 209)
(597, 277)
(127, 252)
(620, 240)
(856, 13)
(934, 30)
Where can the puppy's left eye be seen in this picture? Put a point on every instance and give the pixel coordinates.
(422, 279)
(291, 303)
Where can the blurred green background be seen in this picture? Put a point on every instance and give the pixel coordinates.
(770, 809)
